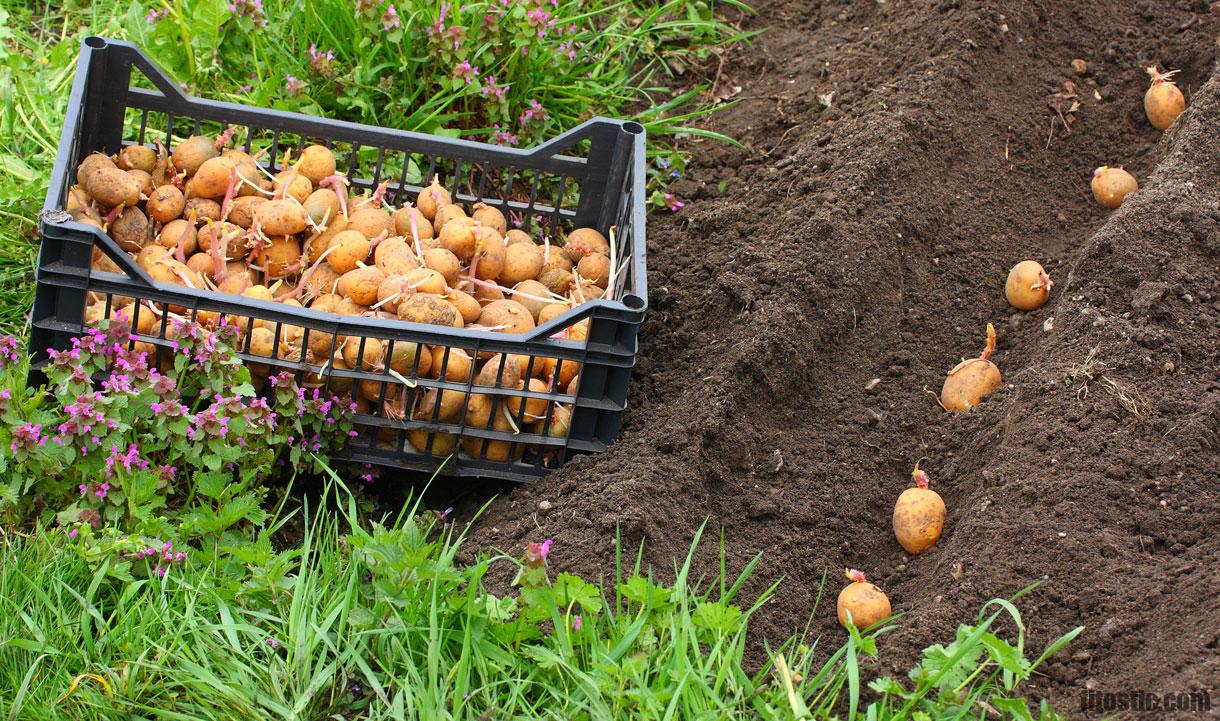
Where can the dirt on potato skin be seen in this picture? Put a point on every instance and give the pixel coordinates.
(867, 235)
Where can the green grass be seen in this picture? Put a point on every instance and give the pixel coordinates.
(381, 622)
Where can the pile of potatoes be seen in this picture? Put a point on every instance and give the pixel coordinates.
(210, 217)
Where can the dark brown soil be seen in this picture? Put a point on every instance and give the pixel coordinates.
(867, 235)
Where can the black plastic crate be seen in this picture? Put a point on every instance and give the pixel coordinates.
(591, 176)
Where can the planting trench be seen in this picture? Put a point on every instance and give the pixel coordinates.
(867, 235)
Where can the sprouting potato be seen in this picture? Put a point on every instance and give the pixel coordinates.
(443, 261)
(446, 405)
(241, 210)
(455, 365)
(165, 204)
(222, 232)
(508, 315)
(291, 184)
(212, 178)
(317, 245)
(442, 444)
(1028, 286)
(322, 205)
(348, 249)
(465, 303)
(131, 230)
(1163, 102)
(390, 291)
(280, 255)
(861, 603)
(430, 309)
(457, 236)
(432, 198)
(552, 311)
(533, 295)
(144, 180)
(490, 217)
(371, 222)
(361, 284)
(490, 253)
(322, 280)
(498, 451)
(262, 342)
(112, 187)
(194, 152)
(203, 209)
(280, 217)
(137, 157)
(516, 235)
(394, 256)
(583, 241)
(919, 515)
(404, 227)
(971, 380)
(425, 280)
(556, 280)
(316, 162)
(448, 214)
(1111, 186)
(403, 357)
(595, 267)
(367, 358)
(491, 375)
(522, 261)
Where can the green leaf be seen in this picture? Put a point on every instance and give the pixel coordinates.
(211, 484)
(945, 664)
(717, 617)
(572, 590)
(645, 592)
(1007, 657)
(1015, 708)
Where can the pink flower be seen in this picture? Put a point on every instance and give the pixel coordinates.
(292, 86)
(535, 114)
(492, 88)
(576, 622)
(390, 19)
(465, 71)
(536, 553)
(72, 533)
(272, 642)
(502, 137)
(674, 204)
(538, 18)
(154, 15)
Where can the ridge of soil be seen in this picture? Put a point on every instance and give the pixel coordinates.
(867, 235)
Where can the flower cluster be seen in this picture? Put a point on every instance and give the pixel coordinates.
(118, 450)
(322, 63)
(252, 9)
(492, 89)
(293, 85)
(503, 137)
(536, 553)
(389, 19)
(534, 116)
(128, 459)
(154, 15)
(9, 354)
(161, 556)
(465, 71)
